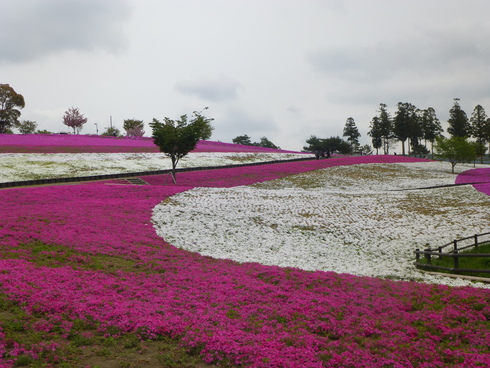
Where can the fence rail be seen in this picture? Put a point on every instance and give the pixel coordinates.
(457, 246)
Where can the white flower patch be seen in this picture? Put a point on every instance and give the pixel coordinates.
(347, 219)
(31, 166)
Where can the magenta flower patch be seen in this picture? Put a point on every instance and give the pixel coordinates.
(479, 178)
(54, 143)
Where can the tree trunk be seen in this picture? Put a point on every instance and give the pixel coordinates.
(174, 165)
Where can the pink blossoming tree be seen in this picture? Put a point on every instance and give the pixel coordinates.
(74, 119)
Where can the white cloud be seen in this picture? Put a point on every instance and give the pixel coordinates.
(218, 88)
(32, 29)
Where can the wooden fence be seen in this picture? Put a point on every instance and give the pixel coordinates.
(452, 250)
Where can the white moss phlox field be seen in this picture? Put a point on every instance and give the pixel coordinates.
(32, 166)
(357, 219)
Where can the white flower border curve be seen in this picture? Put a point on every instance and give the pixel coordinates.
(350, 219)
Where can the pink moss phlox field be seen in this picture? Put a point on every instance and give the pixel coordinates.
(479, 178)
(250, 314)
(61, 143)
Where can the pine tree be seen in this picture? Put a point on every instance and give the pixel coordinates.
(352, 134)
(459, 125)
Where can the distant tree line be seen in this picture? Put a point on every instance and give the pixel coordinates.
(414, 127)
(410, 126)
(246, 141)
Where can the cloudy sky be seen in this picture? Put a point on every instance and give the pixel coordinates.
(284, 69)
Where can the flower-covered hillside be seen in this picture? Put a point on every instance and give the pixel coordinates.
(83, 260)
(69, 143)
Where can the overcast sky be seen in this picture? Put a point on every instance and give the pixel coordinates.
(284, 69)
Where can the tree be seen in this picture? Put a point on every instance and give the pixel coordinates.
(331, 144)
(27, 127)
(352, 134)
(480, 129)
(203, 124)
(376, 133)
(176, 138)
(112, 131)
(366, 150)
(431, 126)
(74, 119)
(455, 149)
(480, 150)
(134, 128)
(11, 103)
(337, 144)
(459, 125)
(404, 123)
(43, 131)
(266, 143)
(386, 127)
(314, 144)
(242, 139)
(416, 132)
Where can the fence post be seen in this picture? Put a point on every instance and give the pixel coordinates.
(476, 240)
(417, 255)
(455, 244)
(427, 257)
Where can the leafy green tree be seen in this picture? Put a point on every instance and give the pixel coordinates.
(176, 138)
(459, 125)
(112, 131)
(455, 149)
(134, 128)
(73, 118)
(352, 133)
(11, 103)
(242, 139)
(376, 133)
(43, 131)
(27, 127)
(204, 125)
(480, 149)
(431, 126)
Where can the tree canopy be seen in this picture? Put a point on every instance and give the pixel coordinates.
(376, 133)
(352, 133)
(112, 131)
(27, 127)
(480, 124)
(455, 149)
(246, 141)
(73, 118)
(242, 139)
(176, 138)
(431, 126)
(327, 145)
(459, 125)
(11, 103)
(134, 128)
